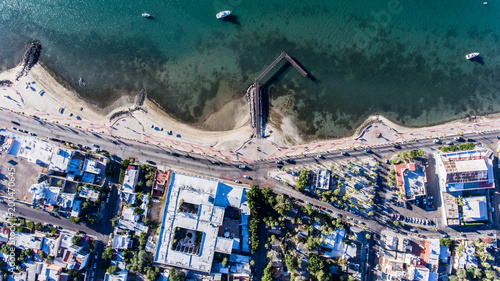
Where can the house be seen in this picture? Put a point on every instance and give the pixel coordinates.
(89, 193)
(323, 180)
(131, 179)
(334, 243)
(4, 234)
(129, 215)
(122, 242)
(160, 183)
(412, 181)
(71, 255)
(51, 246)
(27, 241)
(60, 160)
(76, 209)
(432, 251)
(119, 276)
(50, 273)
(475, 209)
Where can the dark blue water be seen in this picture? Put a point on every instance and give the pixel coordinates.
(402, 59)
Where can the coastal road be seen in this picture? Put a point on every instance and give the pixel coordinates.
(217, 168)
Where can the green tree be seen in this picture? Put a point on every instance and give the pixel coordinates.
(462, 273)
(175, 275)
(107, 254)
(142, 240)
(421, 153)
(292, 263)
(152, 274)
(139, 261)
(77, 239)
(445, 149)
(113, 269)
(303, 180)
(225, 260)
(38, 226)
(138, 211)
(75, 220)
(30, 225)
(446, 242)
(268, 273)
(490, 274)
(316, 264)
(413, 154)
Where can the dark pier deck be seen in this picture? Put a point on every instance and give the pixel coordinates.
(255, 94)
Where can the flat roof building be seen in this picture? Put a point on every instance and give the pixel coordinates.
(412, 180)
(464, 173)
(475, 209)
(194, 211)
(131, 179)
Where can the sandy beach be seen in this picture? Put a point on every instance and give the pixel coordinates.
(43, 95)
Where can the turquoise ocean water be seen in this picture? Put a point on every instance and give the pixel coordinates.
(403, 59)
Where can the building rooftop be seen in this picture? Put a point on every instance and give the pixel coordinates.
(411, 178)
(130, 180)
(90, 166)
(161, 182)
(475, 209)
(89, 193)
(122, 242)
(203, 212)
(119, 276)
(323, 180)
(60, 160)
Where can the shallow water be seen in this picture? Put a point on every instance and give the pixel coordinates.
(403, 59)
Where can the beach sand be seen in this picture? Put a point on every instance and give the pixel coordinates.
(151, 123)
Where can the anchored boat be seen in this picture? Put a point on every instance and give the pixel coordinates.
(223, 14)
(471, 55)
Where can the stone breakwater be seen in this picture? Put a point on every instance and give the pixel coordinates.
(30, 58)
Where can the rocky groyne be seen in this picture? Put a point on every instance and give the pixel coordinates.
(30, 58)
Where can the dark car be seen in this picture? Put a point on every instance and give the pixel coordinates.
(14, 122)
(344, 153)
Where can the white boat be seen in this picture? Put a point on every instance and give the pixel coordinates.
(146, 15)
(471, 55)
(223, 14)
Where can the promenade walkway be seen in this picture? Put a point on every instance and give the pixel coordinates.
(253, 149)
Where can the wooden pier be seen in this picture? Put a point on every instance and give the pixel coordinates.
(254, 93)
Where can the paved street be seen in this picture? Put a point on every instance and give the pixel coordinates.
(219, 168)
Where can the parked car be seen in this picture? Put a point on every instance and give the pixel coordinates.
(242, 166)
(279, 162)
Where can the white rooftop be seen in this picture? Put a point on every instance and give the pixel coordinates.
(471, 165)
(130, 180)
(205, 194)
(90, 166)
(121, 242)
(475, 208)
(119, 276)
(60, 160)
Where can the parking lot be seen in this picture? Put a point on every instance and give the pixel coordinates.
(23, 173)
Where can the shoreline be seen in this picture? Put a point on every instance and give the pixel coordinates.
(151, 120)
